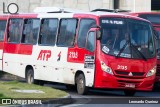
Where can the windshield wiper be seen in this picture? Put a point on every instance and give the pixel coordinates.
(122, 49)
(131, 45)
(140, 53)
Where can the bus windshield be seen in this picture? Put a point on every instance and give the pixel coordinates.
(127, 38)
(154, 18)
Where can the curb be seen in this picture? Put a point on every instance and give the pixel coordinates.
(60, 101)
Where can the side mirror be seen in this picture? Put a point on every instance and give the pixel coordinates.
(98, 32)
(98, 35)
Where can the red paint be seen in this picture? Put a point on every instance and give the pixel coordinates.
(59, 54)
(23, 16)
(79, 58)
(1, 45)
(13, 48)
(48, 54)
(118, 81)
(44, 55)
(25, 49)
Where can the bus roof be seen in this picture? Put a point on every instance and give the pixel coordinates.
(70, 15)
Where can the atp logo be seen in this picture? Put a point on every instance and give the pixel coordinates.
(59, 56)
(44, 55)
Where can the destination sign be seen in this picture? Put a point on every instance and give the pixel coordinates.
(118, 22)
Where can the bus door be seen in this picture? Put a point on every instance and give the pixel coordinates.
(89, 58)
(82, 59)
(2, 32)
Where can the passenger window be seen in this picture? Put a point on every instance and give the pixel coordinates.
(15, 30)
(85, 25)
(48, 31)
(67, 32)
(2, 29)
(30, 31)
(90, 45)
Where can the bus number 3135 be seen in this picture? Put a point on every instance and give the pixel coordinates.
(122, 67)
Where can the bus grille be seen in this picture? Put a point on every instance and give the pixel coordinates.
(158, 70)
(134, 74)
(133, 78)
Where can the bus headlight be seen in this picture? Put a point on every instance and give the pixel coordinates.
(151, 72)
(105, 68)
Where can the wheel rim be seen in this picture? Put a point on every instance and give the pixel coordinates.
(80, 84)
(30, 79)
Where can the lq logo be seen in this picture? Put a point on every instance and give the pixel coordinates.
(12, 8)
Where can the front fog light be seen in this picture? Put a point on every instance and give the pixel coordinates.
(151, 72)
(105, 68)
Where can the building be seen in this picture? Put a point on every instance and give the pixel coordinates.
(30, 5)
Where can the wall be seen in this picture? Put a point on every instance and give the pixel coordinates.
(136, 5)
(29, 5)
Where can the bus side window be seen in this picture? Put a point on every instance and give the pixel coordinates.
(2, 29)
(90, 44)
(85, 25)
(15, 29)
(30, 31)
(48, 31)
(67, 32)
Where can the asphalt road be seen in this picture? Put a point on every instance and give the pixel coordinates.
(106, 98)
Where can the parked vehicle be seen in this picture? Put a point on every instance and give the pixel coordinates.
(154, 18)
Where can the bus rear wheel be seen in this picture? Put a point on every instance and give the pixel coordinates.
(129, 92)
(81, 84)
(30, 76)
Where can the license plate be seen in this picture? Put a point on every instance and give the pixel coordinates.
(130, 85)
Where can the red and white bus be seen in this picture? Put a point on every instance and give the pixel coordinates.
(86, 49)
(154, 18)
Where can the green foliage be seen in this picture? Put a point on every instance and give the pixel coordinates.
(7, 91)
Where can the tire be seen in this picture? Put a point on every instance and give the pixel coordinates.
(129, 92)
(30, 76)
(81, 85)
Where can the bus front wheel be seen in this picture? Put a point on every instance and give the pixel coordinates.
(129, 92)
(81, 84)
